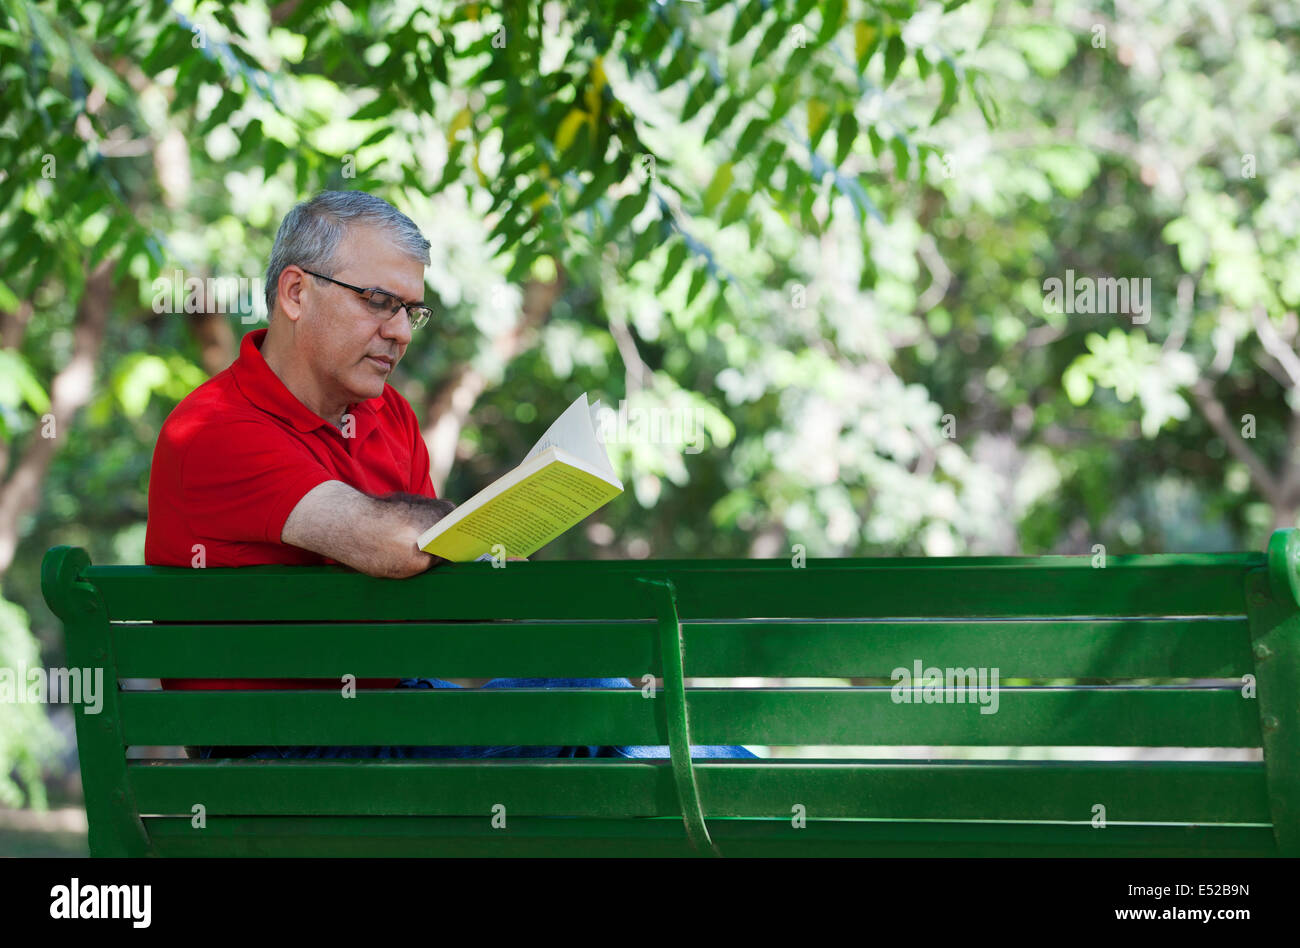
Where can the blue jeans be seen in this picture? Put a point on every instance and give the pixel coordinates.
(407, 753)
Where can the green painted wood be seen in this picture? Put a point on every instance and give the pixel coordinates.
(1276, 628)
(1166, 585)
(1132, 791)
(1142, 617)
(677, 714)
(114, 827)
(1030, 716)
(1060, 648)
(519, 649)
(1284, 567)
(1102, 649)
(539, 836)
(1120, 716)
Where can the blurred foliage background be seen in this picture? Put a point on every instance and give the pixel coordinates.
(812, 236)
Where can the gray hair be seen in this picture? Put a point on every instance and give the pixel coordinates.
(310, 234)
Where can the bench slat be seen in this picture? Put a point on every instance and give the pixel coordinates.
(1123, 648)
(1146, 716)
(1161, 585)
(382, 650)
(539, 836)
(1164, 791)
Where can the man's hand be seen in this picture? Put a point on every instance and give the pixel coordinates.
(376, 535)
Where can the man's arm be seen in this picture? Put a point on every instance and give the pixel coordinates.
(371, 534)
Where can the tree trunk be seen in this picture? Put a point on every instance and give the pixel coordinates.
(70, 390)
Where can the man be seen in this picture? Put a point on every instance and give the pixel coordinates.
(300, 453)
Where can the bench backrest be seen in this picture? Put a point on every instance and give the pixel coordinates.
(1154, 651)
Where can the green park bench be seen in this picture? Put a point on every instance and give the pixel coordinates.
(1179, 650)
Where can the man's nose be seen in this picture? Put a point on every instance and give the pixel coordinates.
(397, 327)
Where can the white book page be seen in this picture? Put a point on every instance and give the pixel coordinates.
(577, 431)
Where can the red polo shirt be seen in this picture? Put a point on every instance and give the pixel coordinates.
(237, 454)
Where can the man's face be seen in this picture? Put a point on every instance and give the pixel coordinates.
(352, 352)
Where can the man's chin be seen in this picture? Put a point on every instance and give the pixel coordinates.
(368, 388)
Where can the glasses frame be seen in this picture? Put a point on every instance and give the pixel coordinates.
(417, 313)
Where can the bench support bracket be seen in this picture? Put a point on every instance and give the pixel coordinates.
(115, 828)
(672, 649)
(1275, 640)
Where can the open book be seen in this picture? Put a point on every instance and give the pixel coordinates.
(563, 479)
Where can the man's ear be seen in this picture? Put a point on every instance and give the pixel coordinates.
(289, 292)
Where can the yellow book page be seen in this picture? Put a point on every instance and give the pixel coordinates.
(527, 516)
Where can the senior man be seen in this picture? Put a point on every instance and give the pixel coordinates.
(300, 453)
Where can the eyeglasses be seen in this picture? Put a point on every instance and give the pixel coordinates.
(381, 301)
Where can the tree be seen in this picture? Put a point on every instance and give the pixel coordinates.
(556, 151)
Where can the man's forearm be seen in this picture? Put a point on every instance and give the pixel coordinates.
(418, 506)
(411, 515)
(376, 535)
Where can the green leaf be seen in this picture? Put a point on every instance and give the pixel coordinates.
(172, 45)
(845, 136)
(250, 139)
(746, 19)
(786, 93)
(737, 204)
(750, 136)
(111, 239)
(1077, 382)
(656, 38)
(894, 51)
(771, 40)
(627, 209)
(987, 106)
(274, 153)
(718, 187)
(676, 257)
(19, 385)
(699, 96)
(599, 184)
(772, 155)
(877, 143)
(382, 106)
(677, 67)
(646, 241)
(523, 264)
(376, 137)
(866, 39)
(135, 381)
(832, 16)
(698, 279)
(949, 75)
(726, 112)
(922, 64)
(819, 119)
(901, 155)
(225, 107)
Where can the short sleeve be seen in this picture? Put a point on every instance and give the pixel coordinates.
(241, 480)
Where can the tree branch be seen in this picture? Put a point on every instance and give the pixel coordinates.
(1217, 416)
(449, 406)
